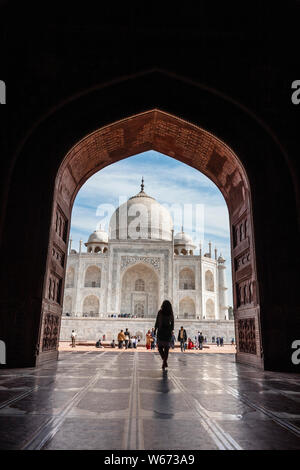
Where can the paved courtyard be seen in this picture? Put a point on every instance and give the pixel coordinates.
(123, 400)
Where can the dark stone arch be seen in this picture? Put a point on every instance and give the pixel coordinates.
(32, 181)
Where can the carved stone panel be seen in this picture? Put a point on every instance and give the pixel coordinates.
(129, 260)
(61, 224)
(245, 292)
(58, 255)
(51, 332)
(243, 265)
(246, 335)
(240, 232)
(54, 292)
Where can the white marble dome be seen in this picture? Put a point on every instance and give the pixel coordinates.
(98, 236)
(182, 238)
(141, 217)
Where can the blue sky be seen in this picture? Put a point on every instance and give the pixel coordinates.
(169, 182)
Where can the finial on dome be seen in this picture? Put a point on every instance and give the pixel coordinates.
(142, 185)
(182, 228)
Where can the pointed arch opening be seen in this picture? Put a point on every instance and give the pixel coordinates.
(186, 142)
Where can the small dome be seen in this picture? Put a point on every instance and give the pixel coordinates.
(182, 238)
(221, 260)
(98, 236)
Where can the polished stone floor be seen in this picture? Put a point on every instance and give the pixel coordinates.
(123, 400)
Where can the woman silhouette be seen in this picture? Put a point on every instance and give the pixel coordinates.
(164, 327)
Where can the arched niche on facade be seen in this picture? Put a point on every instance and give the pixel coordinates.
(186, 279)
(90, 306)
(92, 277)
(187, 308)
(209, 281)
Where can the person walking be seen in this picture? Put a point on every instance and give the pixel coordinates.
(121, 338)
(163, 330)
(127, 338)
(73, 338)
(200, 340)
(218, 341)
(182, 337)
(221, 341)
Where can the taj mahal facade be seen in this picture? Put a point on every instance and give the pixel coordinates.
(123, 276)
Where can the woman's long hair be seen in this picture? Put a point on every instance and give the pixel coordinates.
(166, 308)
(165, 314)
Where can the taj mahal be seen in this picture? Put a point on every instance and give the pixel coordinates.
(123, 276)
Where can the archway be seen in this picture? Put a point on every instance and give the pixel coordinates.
(187, 308)
(90, 306)
(92, 277)
(28, 309)
(139, 291)
(195, 146)
(186, 279)
(209, 281)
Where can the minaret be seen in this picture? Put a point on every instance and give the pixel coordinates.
(223, 301)
(70, 244)
(209, 251)
(80, 246)
(216, 254)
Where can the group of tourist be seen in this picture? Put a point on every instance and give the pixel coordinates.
(122, 315)
(125, 339)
